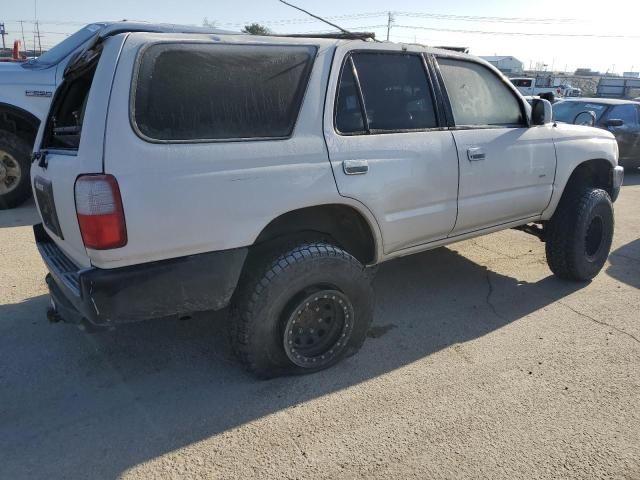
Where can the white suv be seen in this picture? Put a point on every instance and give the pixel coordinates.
(180, 173)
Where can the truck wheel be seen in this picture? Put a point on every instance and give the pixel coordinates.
(579, 234)
(15, 185)
(302, 311)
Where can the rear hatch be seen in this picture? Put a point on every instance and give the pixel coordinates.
(71, 145)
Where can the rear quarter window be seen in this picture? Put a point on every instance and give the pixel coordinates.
(198, 92)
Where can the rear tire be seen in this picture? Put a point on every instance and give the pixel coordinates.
(15, 164)
(301, 311)
(579, 234)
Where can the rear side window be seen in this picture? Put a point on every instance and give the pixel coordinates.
(190, 92)
(478, 96)
(396, 91)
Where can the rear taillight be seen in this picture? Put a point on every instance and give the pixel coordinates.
(100, 213)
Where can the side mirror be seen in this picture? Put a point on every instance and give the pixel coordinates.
(614, 122)
(541, 112)
(586, 118)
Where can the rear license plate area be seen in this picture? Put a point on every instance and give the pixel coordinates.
(44, 196)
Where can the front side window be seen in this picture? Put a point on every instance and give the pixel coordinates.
(190, 92)
(567, 111)
(626, 113)
(478, 96)
(395, 90)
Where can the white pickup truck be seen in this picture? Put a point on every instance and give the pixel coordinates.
(178, 173)
(26, 90)
(544, 86)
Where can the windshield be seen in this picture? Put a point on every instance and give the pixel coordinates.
(64, 48)
(567, 111)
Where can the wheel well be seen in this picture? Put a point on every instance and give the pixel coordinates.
(592, 173)
(343, 224)
(19, 122)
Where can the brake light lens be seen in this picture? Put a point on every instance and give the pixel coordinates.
(100, 212)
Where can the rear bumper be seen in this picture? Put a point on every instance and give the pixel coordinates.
(151, 290)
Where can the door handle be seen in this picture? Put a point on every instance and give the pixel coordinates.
(355, 167)
(476, 154)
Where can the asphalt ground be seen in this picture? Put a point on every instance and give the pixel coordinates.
(480, 364)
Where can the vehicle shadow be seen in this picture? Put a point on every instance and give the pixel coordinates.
(80, 405)
(625, 264)
(21, 216)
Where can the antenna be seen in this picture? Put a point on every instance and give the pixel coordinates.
(322, 19)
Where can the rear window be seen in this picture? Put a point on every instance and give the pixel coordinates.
(191, 92)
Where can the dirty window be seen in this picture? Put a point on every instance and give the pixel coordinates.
(349, 117)
(210, 92)
(396, 91)
(478, 96)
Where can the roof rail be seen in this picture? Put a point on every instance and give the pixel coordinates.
(337, 35)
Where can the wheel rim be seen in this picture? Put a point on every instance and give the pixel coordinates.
(10, 173)
(594, 237)
(318, 329)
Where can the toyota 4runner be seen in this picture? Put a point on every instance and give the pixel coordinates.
(178, 173)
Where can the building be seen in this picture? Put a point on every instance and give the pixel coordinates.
(631, 74)
(509, 65)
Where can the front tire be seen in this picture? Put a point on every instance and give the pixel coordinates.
(301, 311)
(15, 164)
(579, 234)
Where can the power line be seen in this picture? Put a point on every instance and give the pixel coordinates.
(529, 34)
(474, 18)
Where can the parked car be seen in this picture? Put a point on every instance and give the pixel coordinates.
(179, 173)
(620, 117)
(26, 90)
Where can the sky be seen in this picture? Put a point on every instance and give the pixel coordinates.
(561, 34)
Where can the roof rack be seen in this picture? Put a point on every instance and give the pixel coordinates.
(337, 35)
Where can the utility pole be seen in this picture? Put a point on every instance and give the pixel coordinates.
(39, 42)
(390, 21)
(3, 32)
(24, 42)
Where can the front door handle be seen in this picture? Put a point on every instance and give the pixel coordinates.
(476, 154)
(355, 167)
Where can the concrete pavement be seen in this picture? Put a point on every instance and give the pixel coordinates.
(480, 365)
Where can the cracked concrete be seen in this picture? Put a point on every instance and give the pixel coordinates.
(600, 322)
(479, 364)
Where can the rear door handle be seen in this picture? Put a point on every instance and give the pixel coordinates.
(355, 167)
(476, 154)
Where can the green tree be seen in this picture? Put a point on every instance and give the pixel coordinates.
(256, 29)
